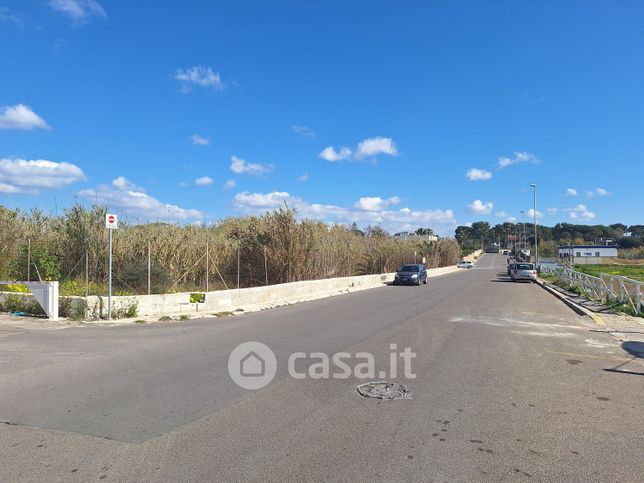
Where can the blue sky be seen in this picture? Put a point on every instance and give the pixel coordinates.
(196, 110)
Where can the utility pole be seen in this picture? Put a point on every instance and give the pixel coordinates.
(534, 213)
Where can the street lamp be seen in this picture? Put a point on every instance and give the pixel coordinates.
(534, 213)
(525, 240)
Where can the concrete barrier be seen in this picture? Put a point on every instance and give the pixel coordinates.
(245, 299)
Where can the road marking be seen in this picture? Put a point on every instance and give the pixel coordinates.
(598, 320)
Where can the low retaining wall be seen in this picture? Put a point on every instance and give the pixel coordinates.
(473, 256)
(246, 299)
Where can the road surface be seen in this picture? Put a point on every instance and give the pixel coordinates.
(510, 385)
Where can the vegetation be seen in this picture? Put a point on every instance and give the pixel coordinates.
(246, 251)
(481, 234)
(635, 272)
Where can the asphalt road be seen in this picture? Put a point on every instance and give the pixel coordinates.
(510, 385)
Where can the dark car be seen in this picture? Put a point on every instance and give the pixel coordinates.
(412, 274)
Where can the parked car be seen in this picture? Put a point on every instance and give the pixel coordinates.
(523, 271)
(465, 264)
(413, 274)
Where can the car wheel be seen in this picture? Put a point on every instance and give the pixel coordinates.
(425, 281)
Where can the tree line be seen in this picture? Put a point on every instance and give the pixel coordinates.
(481, 234)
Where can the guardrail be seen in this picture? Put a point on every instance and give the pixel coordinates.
(605, 288)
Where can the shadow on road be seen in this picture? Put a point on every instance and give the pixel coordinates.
(634, 348)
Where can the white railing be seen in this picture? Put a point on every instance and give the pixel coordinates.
(605, 288)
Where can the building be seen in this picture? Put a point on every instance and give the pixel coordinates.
(587, 254)
(408, 235)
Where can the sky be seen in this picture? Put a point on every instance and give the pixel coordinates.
(435, 115)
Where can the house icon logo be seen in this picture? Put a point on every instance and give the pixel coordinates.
(252, 365)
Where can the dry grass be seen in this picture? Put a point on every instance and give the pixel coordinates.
(246, 250)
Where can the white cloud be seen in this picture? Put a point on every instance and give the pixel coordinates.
(330, 154)
(511, 219)
(367, 148)
(519, 157)
(501, 214)
(199, 76)
(30, 176)
(531, 212)
(199, 140)
(375, 203)
(571, 192)
(123, 183)
(303, 131)
(403, 219)
(241, 166)
(125, 197)
(375, 146)
(552, 211)
(204, 181)
(79, 11)
(602, 192)
(7, 15)
(475, 174)
(20, 117)
(478, 207)
(230, 183)
(303, 177)
(580, 212)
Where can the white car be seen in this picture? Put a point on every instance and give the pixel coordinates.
(464, 264)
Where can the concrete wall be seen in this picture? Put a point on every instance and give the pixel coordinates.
(473, 256)
(246, 299)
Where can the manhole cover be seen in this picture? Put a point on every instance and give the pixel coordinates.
(384, 390)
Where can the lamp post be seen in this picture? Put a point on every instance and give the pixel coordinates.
(534, 213)
(525, 241)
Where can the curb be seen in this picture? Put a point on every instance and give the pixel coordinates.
(573, 305)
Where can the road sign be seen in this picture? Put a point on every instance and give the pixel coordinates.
(111, 222)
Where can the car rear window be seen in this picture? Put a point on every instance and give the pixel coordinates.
(525, 266)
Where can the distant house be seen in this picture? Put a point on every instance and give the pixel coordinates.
(587, 254)
(408, 235)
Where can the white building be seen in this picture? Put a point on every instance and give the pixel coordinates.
(587, 254)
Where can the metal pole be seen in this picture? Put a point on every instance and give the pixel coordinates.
(207, 266)
(86, 273)
(265, 267)
(237, 267)
(149, 267)
(109, 282)
(534, 212)
(29, 260)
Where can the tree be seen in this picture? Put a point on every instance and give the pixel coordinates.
(424, 231)
(376, 231)
(480, 230)
(462, 234)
